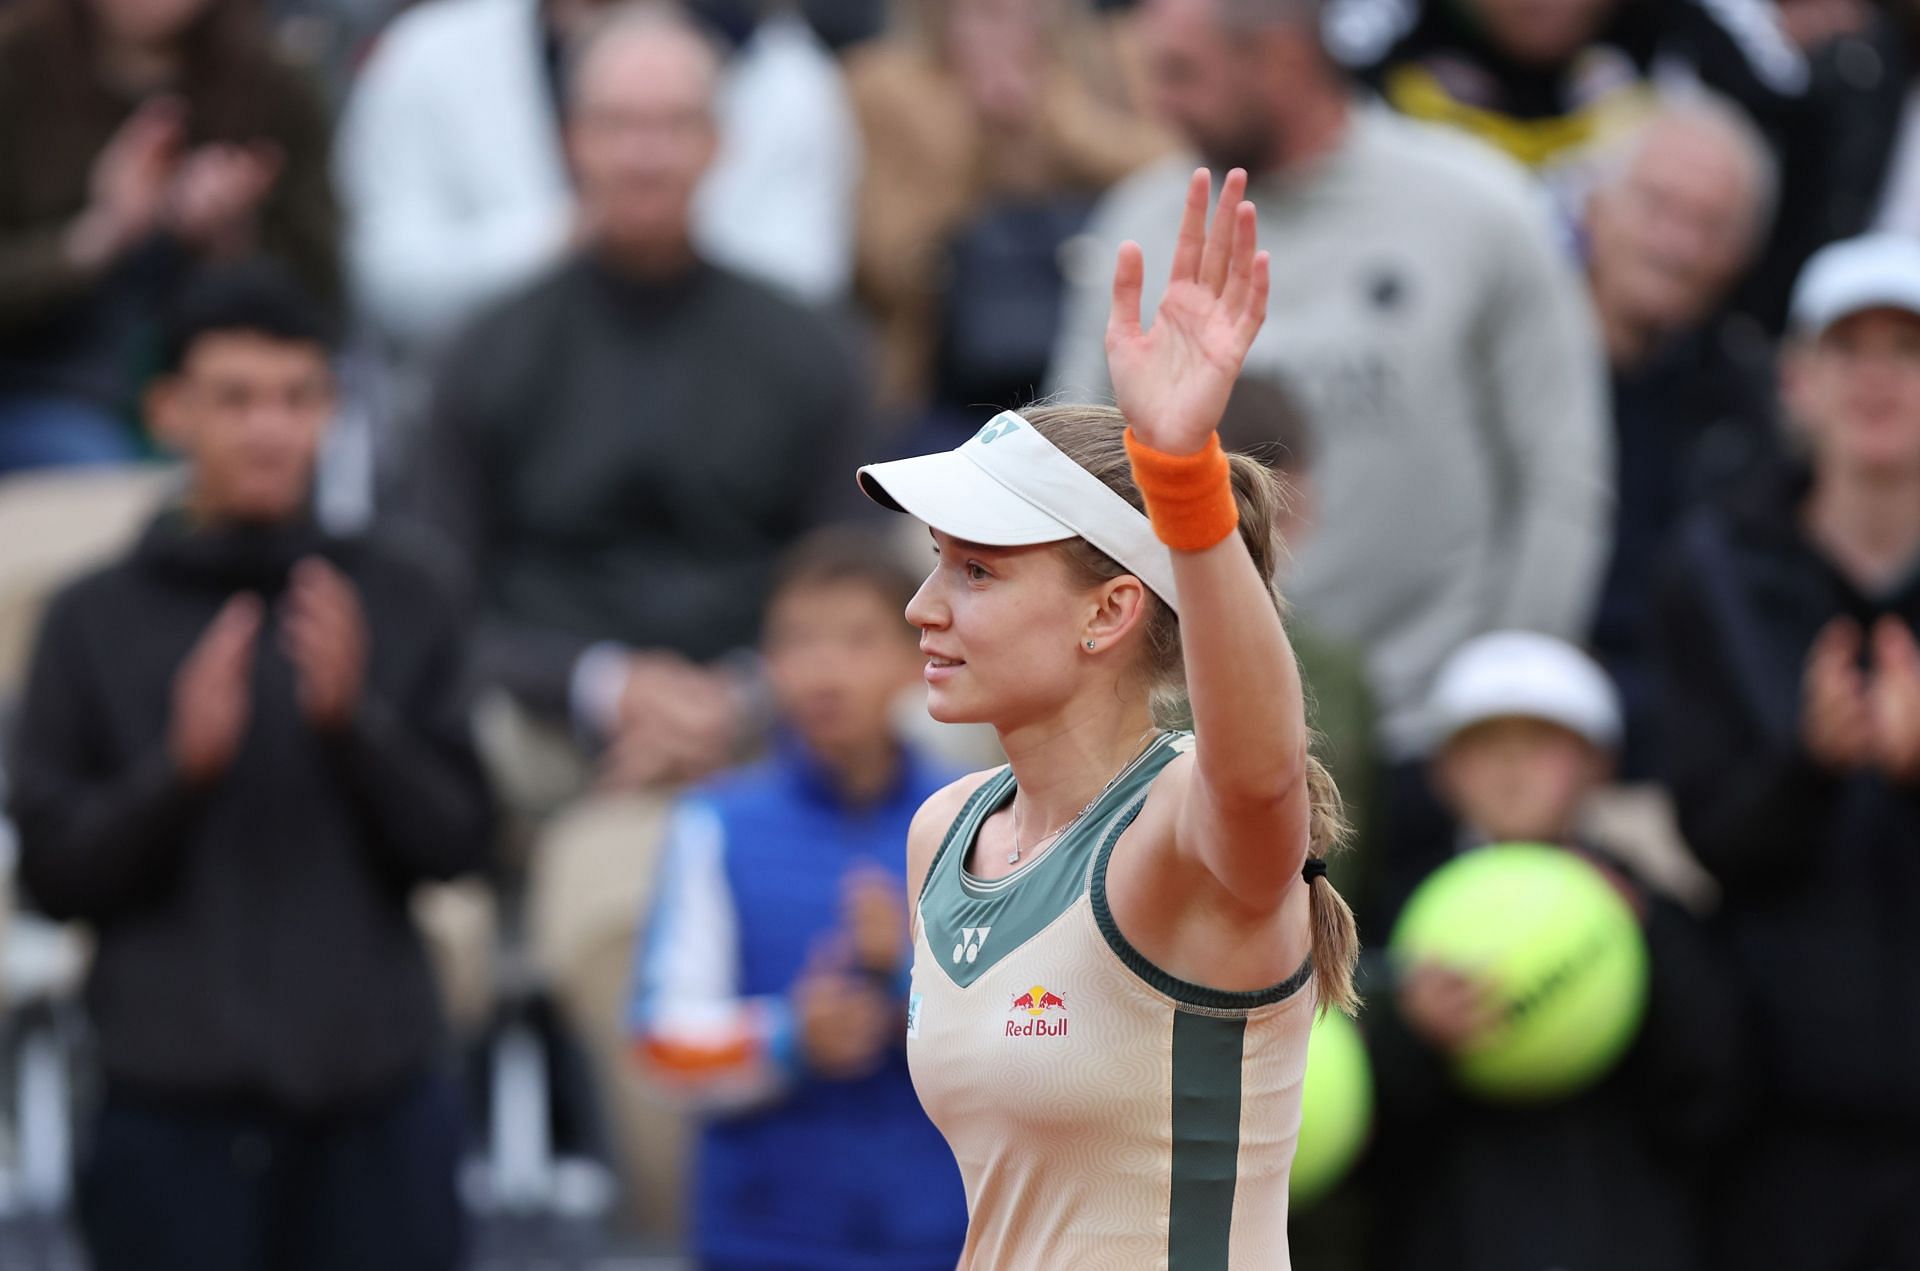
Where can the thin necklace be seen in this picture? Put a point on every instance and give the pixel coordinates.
(1013, 854)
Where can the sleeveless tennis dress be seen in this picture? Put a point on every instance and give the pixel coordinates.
(1106, 1116)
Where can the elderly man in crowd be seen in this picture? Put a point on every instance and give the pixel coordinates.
(1677, 221)
(619, 453)
(1441, 348)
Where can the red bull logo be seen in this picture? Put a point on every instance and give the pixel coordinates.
(1046, 1014)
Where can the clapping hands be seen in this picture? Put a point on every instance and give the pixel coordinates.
(1856, 716)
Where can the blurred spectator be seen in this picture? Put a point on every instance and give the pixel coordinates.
(1673, 224)
(771, 980)
(1525, 729)
(1552, 81)
(1792, 720)
(620, 450)
(142, 138)
(452, 162)
(1439, 344)
(996, 122)
(239, 802)
(1870, 82)
(1548, 80)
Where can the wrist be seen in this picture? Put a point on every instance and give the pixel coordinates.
(1189, 497)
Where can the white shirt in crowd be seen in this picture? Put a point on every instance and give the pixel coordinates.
(1900, 202)
(1444, 353)
(450, 165)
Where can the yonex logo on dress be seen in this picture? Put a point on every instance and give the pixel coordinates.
(971, 938)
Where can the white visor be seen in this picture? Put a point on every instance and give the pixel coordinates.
(1010, 487)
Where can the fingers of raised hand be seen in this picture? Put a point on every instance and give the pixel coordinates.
(1253, 315)
(1243, 263)
(1192, 242)
(1129, 270)
(1217, 257)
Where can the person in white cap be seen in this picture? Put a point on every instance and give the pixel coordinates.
(1121, 937)
(1791, 717)
(1524, 728)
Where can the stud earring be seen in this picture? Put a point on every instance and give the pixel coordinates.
(1089, 646)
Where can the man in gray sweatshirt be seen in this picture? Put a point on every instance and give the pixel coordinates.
(1439, 342)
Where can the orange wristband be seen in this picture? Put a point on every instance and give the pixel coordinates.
(1189, 497)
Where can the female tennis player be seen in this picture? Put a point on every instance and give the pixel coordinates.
(1121, 937)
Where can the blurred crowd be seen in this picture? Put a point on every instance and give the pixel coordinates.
(452, 681)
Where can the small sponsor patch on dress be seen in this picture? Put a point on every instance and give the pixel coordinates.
(913, 1015)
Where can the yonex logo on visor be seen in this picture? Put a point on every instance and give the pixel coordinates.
(1011, 487)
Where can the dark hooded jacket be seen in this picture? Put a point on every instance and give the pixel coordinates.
(254, 939)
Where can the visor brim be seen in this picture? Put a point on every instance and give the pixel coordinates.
(954, 495)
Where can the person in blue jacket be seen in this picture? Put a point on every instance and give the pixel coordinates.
(769, 989)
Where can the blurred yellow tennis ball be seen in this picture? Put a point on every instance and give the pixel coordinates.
(1557, 944)
(1336, 1108)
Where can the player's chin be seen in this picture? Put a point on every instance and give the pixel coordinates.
(947, 706)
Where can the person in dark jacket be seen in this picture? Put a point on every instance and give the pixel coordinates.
(1791, 685)
(1865, 81)
(241, 748)
(1602, 1179)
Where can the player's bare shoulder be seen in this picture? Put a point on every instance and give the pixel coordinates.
(935, 818)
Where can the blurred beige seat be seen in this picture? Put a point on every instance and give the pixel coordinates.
(590, 883)
(56, 525)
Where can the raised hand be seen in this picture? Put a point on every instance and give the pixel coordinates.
(1172, 381)
(213, 693)
(127, 189)
(216, 198)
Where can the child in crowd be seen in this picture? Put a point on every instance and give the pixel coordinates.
(770, 984)
(1526, 727)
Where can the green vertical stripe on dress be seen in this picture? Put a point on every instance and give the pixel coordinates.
(1206, 1139)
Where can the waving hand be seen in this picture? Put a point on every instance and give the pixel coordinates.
(1172, 381)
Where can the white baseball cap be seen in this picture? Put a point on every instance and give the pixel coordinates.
(1523, 674)
(1874, 271)
(1010, 487)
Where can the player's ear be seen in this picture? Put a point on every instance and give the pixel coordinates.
(1119, 606)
